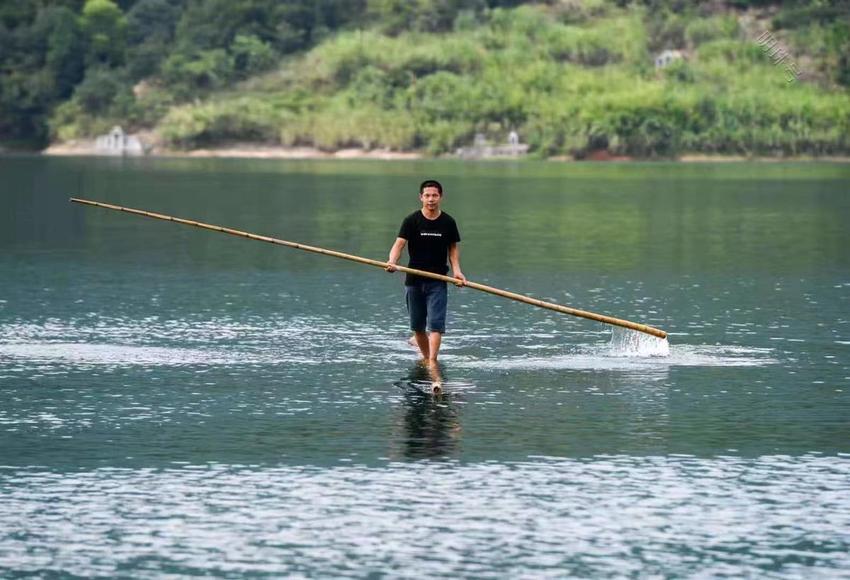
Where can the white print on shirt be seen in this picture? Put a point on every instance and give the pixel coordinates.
(436, 234)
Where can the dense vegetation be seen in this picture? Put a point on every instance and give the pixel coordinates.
(571, 76)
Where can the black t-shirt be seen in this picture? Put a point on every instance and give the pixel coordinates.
(428, 242)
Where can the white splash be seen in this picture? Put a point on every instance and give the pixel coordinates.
(602, 357)
(625, 342)
(120, 355)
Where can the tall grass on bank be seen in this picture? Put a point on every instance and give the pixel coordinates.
(238, 119)
(569, 86)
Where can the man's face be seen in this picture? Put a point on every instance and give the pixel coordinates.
(430, 198)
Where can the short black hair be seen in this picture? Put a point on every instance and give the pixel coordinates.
(431, 183)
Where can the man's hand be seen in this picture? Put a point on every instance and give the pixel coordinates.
(461, 279)
(395, 254)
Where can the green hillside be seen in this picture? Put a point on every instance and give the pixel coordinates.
(572, 77)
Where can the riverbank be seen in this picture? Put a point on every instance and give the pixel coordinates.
(242, 151)
(260, 151)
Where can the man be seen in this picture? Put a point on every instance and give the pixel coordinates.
(431, 236)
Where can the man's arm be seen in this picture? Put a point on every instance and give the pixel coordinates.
(454, 260)
(395, 254)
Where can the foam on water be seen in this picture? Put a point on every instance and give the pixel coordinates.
(85, 354)
(603, 358)
(224, 342)
(120, 342)
(625, 342)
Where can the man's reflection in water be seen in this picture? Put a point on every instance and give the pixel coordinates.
(430, 425)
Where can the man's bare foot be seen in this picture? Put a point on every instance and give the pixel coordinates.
(436, 377)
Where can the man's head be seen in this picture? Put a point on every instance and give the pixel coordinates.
(432, 184)
(430, 194)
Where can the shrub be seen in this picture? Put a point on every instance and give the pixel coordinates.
(339, 125)
(679, 71)
(251, 55)
(189, 74)
(339, 61)
(445, 136)
(69, 121)
(701, 30)
(577, 11)
(240, 119)
(100, 90)
(733, 51)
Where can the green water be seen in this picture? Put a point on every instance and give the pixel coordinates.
(176, 401)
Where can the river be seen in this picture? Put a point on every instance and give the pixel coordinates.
(176, 401)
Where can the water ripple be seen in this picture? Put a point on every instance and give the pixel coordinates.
(546, 517)
(119, 342)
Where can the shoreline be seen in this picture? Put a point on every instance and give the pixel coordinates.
(240, 151)
(259, 151)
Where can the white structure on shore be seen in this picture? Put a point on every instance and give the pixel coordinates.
(117, 142)
(668, 57)
(481, 149)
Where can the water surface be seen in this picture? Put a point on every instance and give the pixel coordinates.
(176, 401)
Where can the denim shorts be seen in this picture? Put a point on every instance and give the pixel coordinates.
(426, 304)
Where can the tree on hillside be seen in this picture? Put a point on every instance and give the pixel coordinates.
(64, 58)
(150, 34)
(105, 29)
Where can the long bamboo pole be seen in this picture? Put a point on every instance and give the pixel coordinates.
(489, 289)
